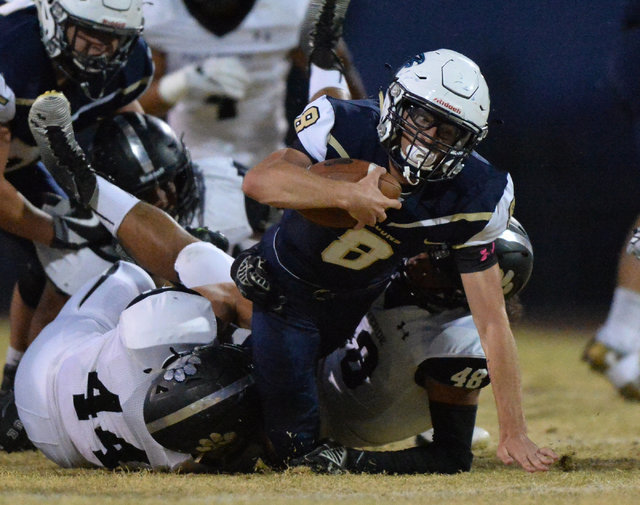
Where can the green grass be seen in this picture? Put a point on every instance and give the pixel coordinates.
(569, 408)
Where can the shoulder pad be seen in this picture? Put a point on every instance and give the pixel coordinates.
(165, 319)
(7, 102)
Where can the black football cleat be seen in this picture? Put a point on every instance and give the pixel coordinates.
(322, 30)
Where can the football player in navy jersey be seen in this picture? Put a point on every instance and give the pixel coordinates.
(159, 244)
(92, 52)
(320, 281)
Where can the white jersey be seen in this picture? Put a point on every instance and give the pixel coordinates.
(369, 395)
(262, 42)
(81, 384)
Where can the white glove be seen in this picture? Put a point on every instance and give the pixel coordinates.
(7, 102)
(633, 247)
(215, 76)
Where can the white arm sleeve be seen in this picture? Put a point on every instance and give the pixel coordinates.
(202, 263)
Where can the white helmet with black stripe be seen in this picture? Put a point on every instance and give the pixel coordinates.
(441, 89)
(89, 40)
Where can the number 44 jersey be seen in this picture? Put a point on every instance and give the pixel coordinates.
(81, 385)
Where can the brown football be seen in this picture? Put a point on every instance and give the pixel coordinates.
(346, 169)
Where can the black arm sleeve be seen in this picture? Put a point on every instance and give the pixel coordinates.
(449, 453)
(475, 258)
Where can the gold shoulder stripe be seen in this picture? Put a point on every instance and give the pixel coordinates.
(336, 145)
(26, 102)
(477, 216)
(133, 86)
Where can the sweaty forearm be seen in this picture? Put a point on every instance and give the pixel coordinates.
(502, 362)
(282, 180)
(154, 239)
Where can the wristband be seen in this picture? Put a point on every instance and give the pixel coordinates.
(202, 263)
(111, 204)
(173, 87)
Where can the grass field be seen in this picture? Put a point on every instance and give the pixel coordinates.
(568, 408)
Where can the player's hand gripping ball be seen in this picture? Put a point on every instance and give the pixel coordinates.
(346, 169)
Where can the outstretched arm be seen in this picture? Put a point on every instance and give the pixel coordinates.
(486, 301)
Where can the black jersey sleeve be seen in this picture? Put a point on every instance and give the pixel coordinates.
(475, 258)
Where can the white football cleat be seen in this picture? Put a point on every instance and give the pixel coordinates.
(51, 126)
(624, 374)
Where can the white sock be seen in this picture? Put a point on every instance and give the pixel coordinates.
(13, 356)
(320, 78)
(621, 330)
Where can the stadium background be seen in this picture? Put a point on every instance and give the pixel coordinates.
(558, 124)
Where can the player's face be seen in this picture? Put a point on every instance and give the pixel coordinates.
(424, 121)
(426, 137)
(92, 43)
(164, 197)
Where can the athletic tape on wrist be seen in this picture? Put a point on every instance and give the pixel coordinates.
(111, 204)
(173, 87)
(202, 263)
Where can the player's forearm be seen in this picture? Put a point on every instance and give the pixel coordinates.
(5, 143)
(502, 361)
(19, 217)
(282, 180)
(154, 239)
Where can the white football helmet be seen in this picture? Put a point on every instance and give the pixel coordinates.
(434, 89)
(115, 22)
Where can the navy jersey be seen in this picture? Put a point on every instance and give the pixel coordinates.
(29, 72)
(472, 209)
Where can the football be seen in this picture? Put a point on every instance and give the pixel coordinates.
(346, 169)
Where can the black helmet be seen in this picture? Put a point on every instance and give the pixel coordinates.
(219, 16)
(204, 398)
(433, 281)
(139, 152)
(515, 258)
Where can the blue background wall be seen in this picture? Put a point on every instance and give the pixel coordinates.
(557, 122)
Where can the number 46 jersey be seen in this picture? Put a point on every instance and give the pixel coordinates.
(368, 389)
(81, 384)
